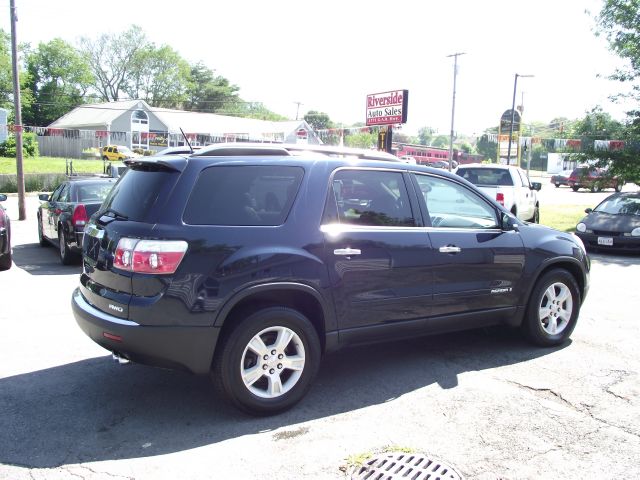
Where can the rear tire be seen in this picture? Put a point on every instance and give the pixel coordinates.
(575, 189)
(67, 257)
(267, 362)
(41, 240)
(617, 187)
(553, 308)
(557, 184)
(536, 215)
(5, 260)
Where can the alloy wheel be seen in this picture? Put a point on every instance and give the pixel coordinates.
(556, 307)
(272, 362)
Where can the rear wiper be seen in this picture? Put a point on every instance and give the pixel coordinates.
(109, 215)
(115, 214)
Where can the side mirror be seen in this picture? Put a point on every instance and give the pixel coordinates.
(3, 197)
(588, 210)
(508, 223)
(44, 197)
(536, 186)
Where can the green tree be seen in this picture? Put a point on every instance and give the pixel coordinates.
(361, 140)
(486, 148)
(58, 79)
(159, 76)
(618, 23)
(6, 77)
(113, 60)
(441, 141)
(425, 135)
(318, 120)
(597, 125)
(209, 92)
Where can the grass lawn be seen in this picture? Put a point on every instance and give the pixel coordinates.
(49, 165)
(562, 217)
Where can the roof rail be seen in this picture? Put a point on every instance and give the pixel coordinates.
(241, 149)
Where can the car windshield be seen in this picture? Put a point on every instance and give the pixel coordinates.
(620, 206)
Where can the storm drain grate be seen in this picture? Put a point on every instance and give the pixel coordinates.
(393, 466)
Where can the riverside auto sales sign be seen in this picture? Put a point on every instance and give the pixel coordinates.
(387, 108)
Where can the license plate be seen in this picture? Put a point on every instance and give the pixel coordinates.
(608, 241)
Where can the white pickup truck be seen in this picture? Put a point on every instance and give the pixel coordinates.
(508, 185)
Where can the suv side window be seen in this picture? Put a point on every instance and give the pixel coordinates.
(451, 205)
(243, 195)
(369, 197)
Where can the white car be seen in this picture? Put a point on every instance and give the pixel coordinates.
(508, 185)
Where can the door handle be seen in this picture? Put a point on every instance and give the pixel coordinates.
(347, 251)
(450, 249)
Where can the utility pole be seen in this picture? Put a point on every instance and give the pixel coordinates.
(22, 215)
(513, 114)
(298, 108)
(453, 104)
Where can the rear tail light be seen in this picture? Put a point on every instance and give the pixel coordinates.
(500, 198)
(80, 217)
(149, 256)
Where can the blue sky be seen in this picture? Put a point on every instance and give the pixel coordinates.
(329, 55)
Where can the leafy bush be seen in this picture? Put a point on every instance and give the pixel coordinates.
(139, 151)
(29, 146)
(148, 153)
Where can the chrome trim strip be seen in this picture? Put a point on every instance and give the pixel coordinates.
(83, 305)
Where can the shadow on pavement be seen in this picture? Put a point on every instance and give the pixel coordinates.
(96, 410)
(622, 259)
(37, 260)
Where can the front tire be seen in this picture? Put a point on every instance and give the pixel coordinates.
(267, 362)
(552, 312)
(536, 215)
(575, 189)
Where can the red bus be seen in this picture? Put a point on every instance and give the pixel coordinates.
(424, 155)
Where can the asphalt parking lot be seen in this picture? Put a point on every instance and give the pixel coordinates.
(484, 401)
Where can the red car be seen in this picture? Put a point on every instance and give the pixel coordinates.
(594, 179)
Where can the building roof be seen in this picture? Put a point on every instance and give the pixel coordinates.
(96, 114)
(103, 114)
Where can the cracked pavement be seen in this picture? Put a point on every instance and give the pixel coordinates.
(484, 401)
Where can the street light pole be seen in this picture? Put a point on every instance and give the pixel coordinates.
(513, 114)
(453, 104)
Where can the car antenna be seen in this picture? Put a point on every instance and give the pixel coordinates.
(186, 140)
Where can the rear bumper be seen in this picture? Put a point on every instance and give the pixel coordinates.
(183, 348)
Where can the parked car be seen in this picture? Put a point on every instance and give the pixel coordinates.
(117, 152)
(561, 178)
(594, 179)
(5, 236)
(63, 214)
(613, 225)
(250, 265)
(115, 169)
(508, 185)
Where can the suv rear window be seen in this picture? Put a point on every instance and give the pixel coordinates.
(243, 195)
(486, 176)
(137, 191)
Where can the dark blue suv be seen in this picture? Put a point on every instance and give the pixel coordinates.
(250, 263)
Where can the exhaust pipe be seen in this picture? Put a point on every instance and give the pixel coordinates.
(120, 359)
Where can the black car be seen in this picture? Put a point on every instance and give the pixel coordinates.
(250, 267)
(5, 236)
(613, 225)
(63, 214)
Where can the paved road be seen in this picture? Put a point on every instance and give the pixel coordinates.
(484, 401)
